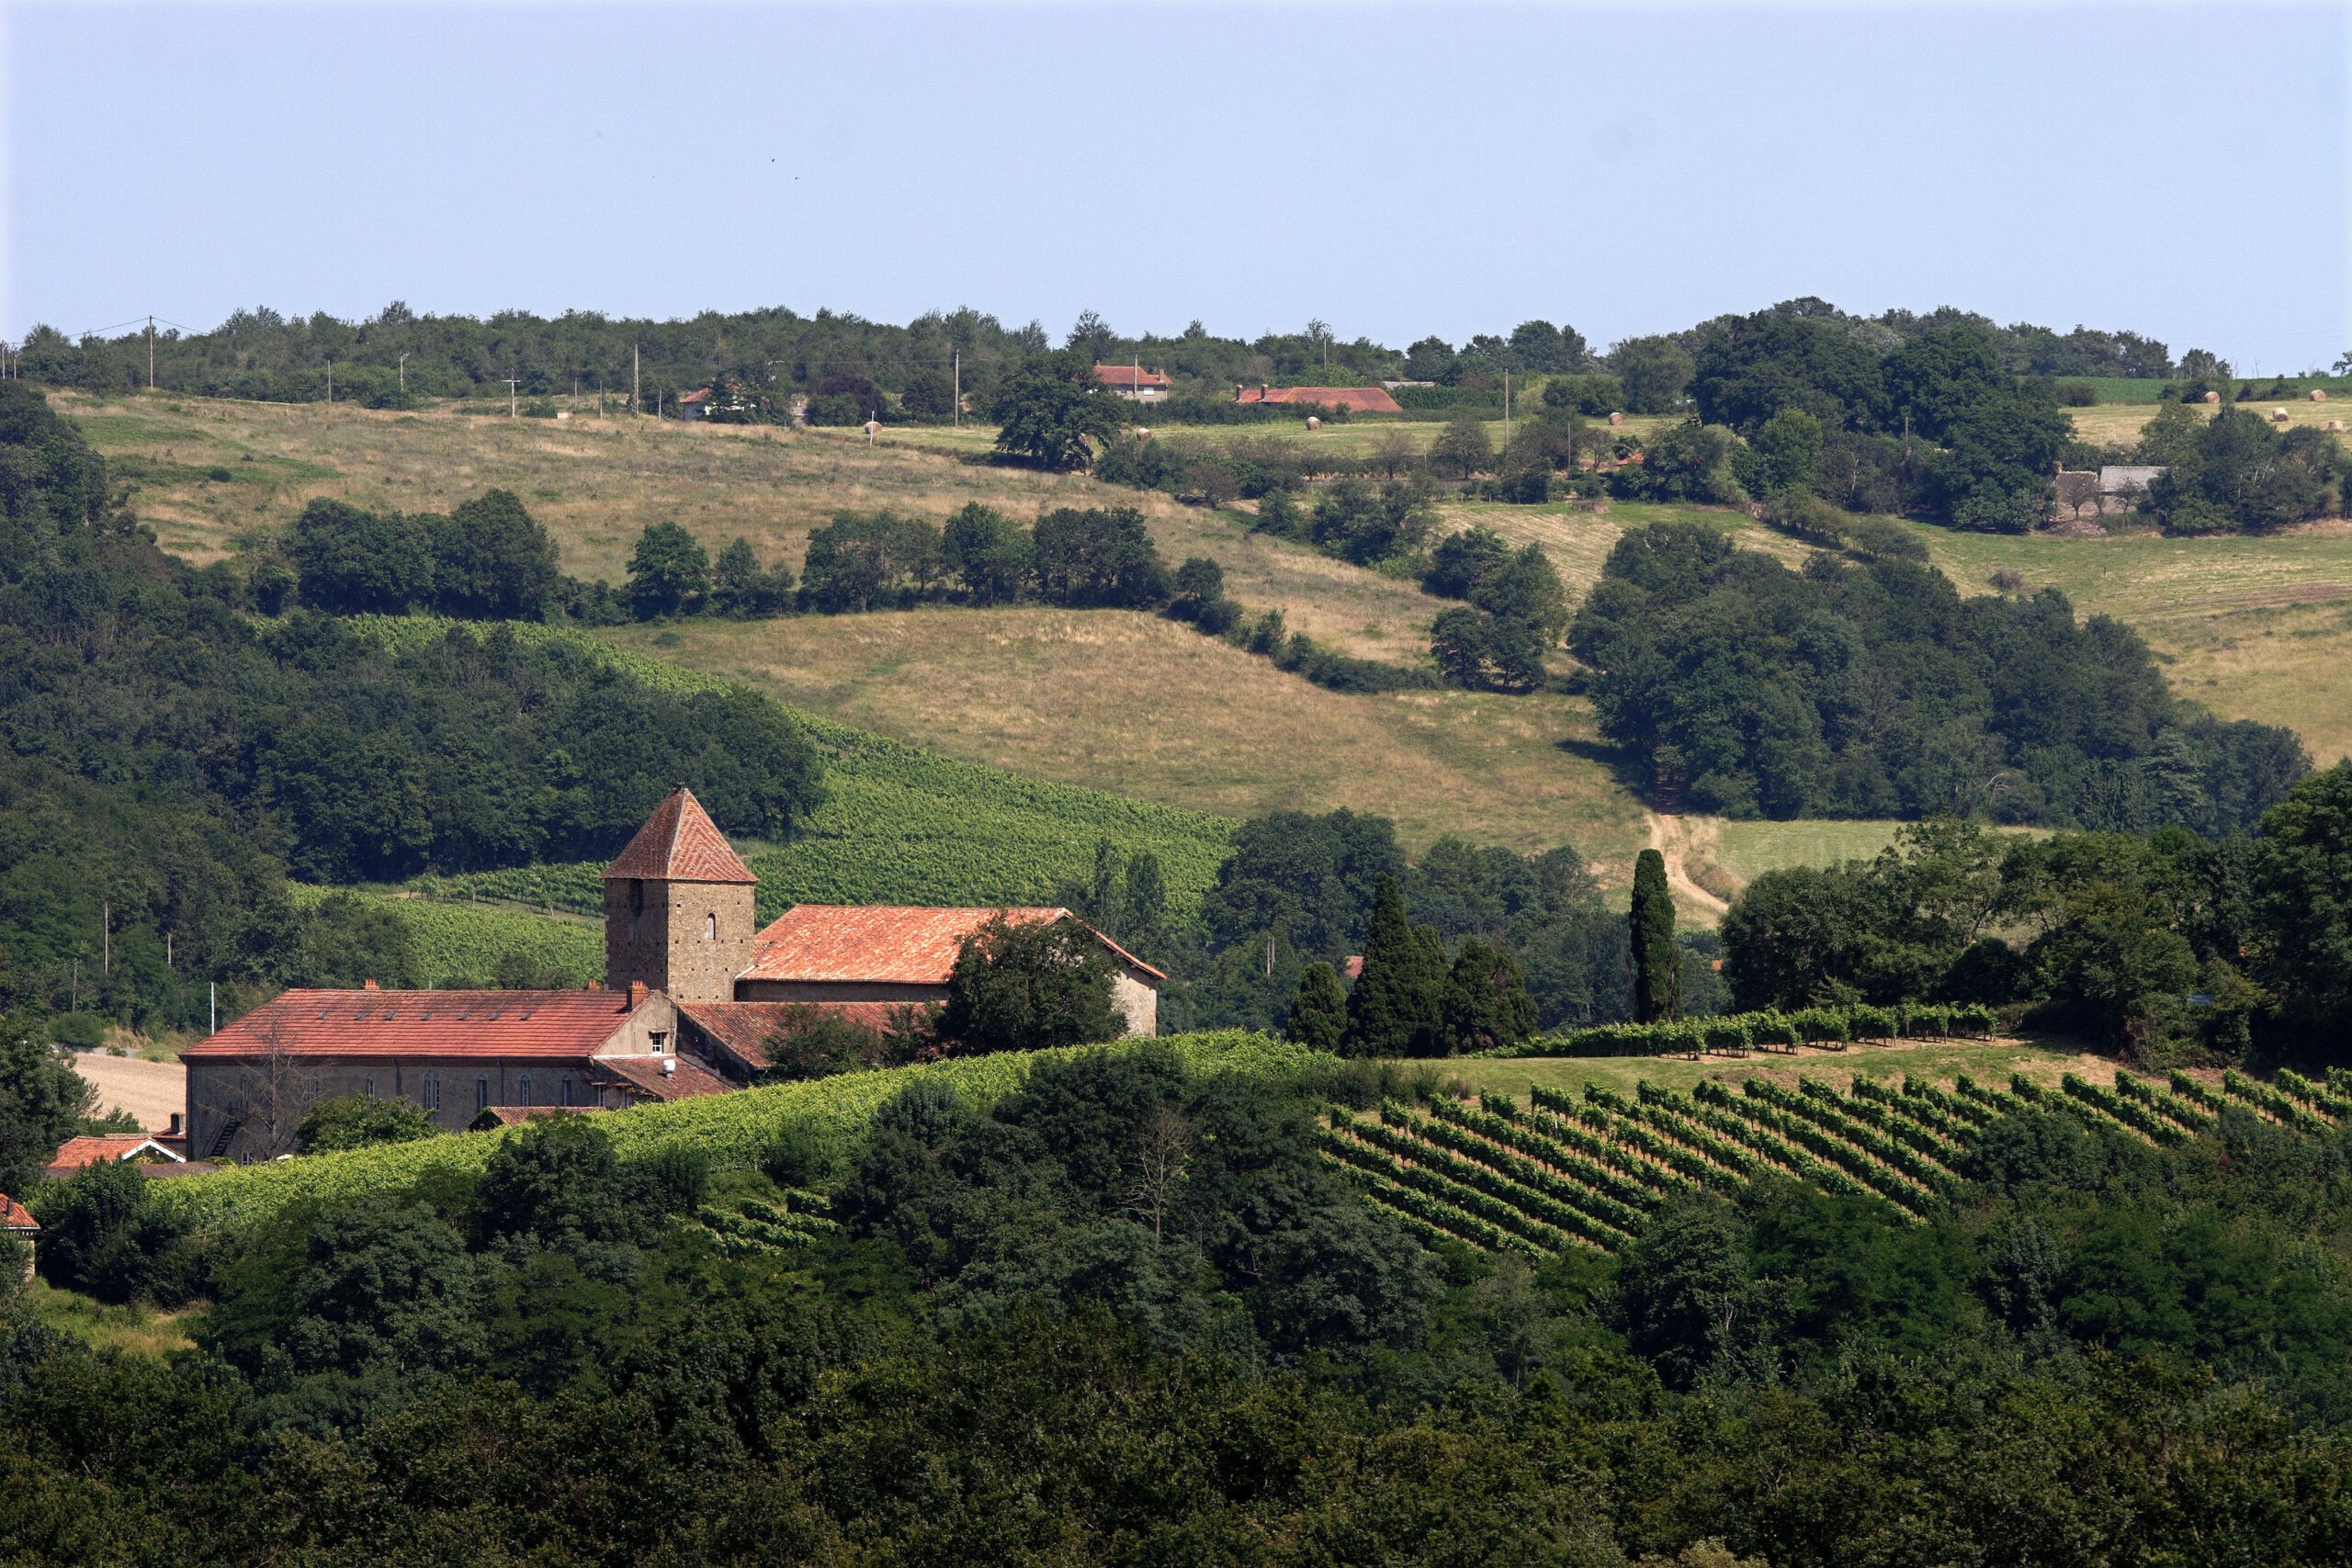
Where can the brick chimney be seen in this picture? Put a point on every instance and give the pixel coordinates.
(367, 985)
(636, 995)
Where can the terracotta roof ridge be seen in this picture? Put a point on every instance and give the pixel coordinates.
(680, 843)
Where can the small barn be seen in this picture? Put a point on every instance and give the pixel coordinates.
(1356, 399)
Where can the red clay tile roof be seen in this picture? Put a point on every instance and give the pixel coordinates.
(515, 1115)
(741, 1029)
(680, 843)
(1129, 376)
(699, 395)
(422, 1023)
(884, 943)
(1362, 400)
(643, 1075)
(14, 1216)
(96, 1148)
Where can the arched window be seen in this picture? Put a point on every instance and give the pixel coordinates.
(524, 1084)
(710, 927)
(432, 1091)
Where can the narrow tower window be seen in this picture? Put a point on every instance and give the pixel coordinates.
(710, 927)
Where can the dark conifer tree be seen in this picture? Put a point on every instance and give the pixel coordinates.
(1658, 963)
(1397, 1008)
(1319, 1014)
(1487, 1004)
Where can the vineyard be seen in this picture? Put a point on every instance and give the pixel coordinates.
(463, 942)
(1566, 1171)
(900, 825)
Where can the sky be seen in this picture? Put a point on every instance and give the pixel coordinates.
(2182, 170)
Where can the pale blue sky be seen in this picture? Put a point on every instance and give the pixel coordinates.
(2177, 170)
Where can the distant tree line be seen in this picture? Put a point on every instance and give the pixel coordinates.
(1874, 689)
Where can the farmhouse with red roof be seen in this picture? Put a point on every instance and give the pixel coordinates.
(1134, 382)
(1357, 400)
(99, 1149)
(693, 985)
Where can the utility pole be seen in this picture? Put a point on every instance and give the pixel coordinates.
(404, 375)
(636, 388)
(151, 353)
(511, 379)
(330, 383)
(106, 937)
(959, 389)
(212, 992)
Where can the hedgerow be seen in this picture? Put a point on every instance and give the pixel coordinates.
(1732, 1032)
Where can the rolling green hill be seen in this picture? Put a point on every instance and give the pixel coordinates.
(901, 825)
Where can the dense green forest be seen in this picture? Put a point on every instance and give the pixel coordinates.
(1873, 689)
(1125, 1313)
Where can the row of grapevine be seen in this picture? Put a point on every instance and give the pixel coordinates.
(2174, 1108)
(2140, 1118)
(1514, 1177)
(1837, 1139)
(2262, 1097)
(2335, 1107)
(1737, 1033)
(1520, 1138)
(1465, 1185)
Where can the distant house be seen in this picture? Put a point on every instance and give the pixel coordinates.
(19, 1223)
(2117, 488)
(1357, 400)
(693, 404)
(78, 1154)
(1134, 382)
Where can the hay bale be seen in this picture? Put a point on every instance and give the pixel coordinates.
(2319, 394)
(1314, 422)
(1616, 419)
(2335, 424)
(2212, 397)
(2278, 416)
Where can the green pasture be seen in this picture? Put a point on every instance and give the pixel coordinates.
(461, 940)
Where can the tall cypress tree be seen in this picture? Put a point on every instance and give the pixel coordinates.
(1397, 1007)
(1319, 1014)
(1658, 962)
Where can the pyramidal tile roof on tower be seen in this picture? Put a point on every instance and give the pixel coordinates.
(680, 843)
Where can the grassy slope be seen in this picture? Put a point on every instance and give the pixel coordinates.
(901, 825)
(2253, 628)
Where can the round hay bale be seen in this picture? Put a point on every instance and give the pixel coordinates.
(2212, 397)
(1313, 423)
(2319, 394)
(1616, 419)
(2278, 416)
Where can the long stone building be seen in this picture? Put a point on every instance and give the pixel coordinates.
(693, 987)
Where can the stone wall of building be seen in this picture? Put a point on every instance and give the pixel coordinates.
(688, 940)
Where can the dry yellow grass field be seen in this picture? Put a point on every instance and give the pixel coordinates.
(1151, 709)
(2259, 628)
(2117, 423)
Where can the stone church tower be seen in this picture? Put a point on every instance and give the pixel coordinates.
(678, 907)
